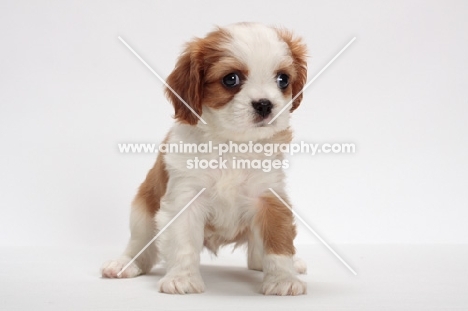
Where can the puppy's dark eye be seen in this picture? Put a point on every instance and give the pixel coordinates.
(231, 80)
(282, 80)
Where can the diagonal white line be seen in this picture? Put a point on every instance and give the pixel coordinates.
(313, 79)
(160, 232)
(315, 233)
(161, 79)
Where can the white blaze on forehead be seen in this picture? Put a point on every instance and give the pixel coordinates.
(259, 48)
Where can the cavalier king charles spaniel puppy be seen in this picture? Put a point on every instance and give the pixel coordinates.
(237, 79)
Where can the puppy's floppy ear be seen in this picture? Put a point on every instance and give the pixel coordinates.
(187, 81)
(299, 54)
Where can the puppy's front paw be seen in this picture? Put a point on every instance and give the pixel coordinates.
(182, 284)
(284, 286)
(111, 269)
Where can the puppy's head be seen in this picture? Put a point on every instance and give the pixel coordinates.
(238, 79)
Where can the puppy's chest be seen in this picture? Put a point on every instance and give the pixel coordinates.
(233, 193)
(232, 205)
(232, 180)
(228, 184)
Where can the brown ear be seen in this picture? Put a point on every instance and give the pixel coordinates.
(186, 80)
(299, 53)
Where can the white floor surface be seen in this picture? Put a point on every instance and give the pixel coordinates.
(390, 277)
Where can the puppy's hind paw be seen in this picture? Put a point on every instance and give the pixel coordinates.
(300, 266)
(112, 268)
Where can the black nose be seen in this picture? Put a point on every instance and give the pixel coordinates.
(262, 107)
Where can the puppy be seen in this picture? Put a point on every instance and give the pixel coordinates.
(237, 79)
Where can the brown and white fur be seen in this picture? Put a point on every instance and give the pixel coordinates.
(237, 206)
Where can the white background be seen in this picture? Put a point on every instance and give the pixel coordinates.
(70, 91)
